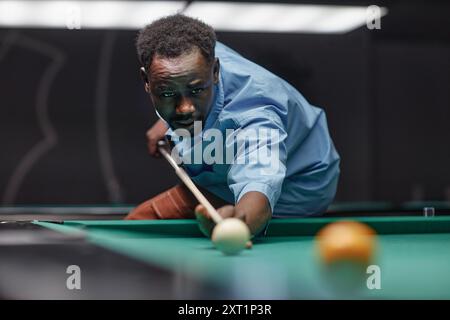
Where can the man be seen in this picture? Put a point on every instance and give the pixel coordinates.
(201, 88)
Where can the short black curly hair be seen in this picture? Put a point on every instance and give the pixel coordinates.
(174, 35)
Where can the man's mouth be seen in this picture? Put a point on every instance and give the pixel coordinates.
(187, 122)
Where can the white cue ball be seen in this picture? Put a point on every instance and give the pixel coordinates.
(230, 236)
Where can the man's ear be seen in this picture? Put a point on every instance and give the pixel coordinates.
(144, 77)
(216, 69)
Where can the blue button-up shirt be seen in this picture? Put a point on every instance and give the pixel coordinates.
(301, 177)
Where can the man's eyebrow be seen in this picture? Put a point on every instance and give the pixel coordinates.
(196, 82)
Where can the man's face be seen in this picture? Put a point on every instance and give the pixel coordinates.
(181, 88)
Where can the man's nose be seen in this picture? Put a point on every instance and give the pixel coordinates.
(185, 105)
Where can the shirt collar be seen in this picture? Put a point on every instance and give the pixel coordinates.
(217, 104)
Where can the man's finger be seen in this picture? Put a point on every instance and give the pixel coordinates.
(227, 211)
(205, 223)
(153, 149)
(200, 209)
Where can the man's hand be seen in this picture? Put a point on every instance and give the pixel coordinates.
(253, 209)
(205, 222)
(155, 134)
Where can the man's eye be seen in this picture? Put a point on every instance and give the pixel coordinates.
(167, 94)
(196, 90)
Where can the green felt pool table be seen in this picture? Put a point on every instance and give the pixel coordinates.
(413, 256)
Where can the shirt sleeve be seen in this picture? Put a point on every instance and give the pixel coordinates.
(260, 155)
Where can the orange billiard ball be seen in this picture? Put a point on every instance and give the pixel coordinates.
(346, 240)
(345, 249)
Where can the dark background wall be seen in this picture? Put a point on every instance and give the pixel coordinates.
(73, 113)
